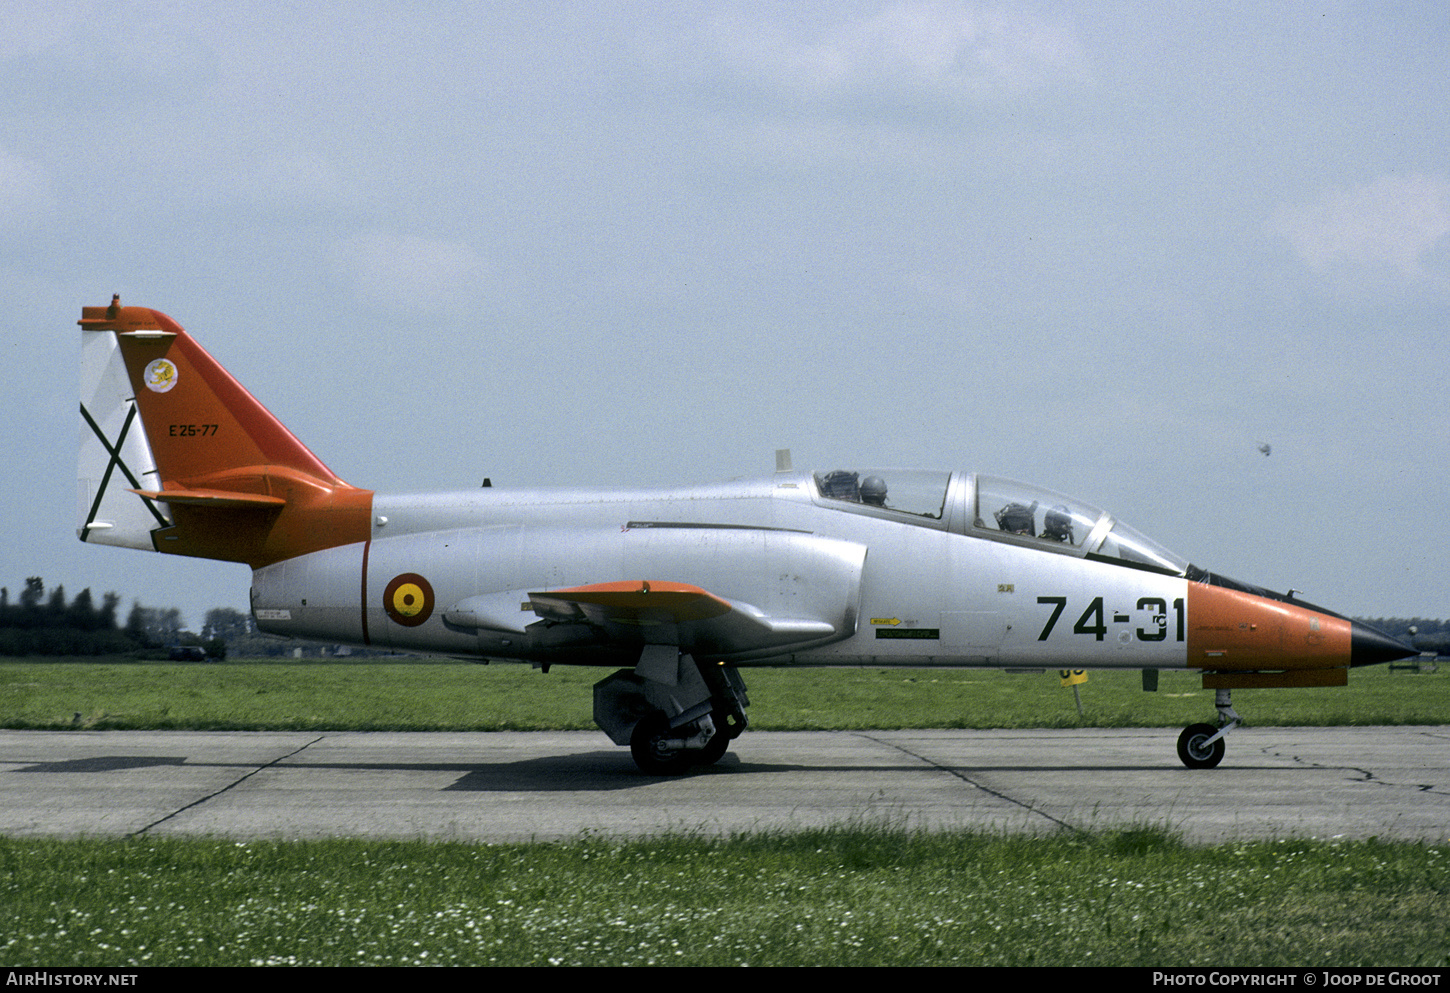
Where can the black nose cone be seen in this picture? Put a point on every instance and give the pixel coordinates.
(1370, 646)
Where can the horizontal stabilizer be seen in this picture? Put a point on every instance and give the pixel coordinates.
(212, 498)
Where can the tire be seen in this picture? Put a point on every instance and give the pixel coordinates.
(1192, 750)
(714, 751)
(646, 744)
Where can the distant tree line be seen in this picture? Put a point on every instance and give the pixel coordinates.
(37, 622)
(41, 623)
(1425, 633)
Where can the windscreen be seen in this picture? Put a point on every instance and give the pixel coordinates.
(1005, 507)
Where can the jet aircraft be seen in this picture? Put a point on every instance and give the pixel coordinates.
(679, 590)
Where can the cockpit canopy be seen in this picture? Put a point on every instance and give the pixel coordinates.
(919, 492)
(997, 509)
(1006, 507)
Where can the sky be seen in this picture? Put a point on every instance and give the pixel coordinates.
(1109, 249)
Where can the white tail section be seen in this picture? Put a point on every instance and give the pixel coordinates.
(114, 455)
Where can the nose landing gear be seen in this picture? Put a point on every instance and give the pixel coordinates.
(1201, 746)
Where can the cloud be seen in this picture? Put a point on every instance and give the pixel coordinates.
(941, 47)
(408, 273)
(295, 180)
(37, 25)
(25, 192)
(1390, 224)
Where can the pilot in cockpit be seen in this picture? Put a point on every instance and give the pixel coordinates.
(1015, 518)
(873, 491)
(841, 484)
(1057, 525)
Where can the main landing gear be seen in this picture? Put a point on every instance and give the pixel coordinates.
(672, 711)
(662, 750)
(1201, 746)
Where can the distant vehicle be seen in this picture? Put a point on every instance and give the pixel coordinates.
(187, 653)
(678, 589)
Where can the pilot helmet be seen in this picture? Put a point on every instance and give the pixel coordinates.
(1057, 525)
(873, 491)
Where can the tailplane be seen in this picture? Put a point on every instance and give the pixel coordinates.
(176, 456)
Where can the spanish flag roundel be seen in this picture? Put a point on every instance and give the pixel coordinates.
(408, 599)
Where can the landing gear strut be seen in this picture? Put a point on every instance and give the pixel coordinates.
(1201, 746)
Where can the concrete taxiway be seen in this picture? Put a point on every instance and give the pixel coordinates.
(1275, 782)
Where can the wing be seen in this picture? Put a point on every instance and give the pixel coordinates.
(643, 612)
(716, 592)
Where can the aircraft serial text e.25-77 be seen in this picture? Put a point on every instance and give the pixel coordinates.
(678, 589)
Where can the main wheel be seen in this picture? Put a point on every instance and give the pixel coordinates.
(1193, 749)
(713, 751)
(648, 745)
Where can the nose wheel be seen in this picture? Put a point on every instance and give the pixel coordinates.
(1201, 746)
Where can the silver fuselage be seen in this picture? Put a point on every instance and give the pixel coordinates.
(887, 587)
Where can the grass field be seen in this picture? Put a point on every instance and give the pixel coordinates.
(867, 895)
(442, 695)
(859, 897)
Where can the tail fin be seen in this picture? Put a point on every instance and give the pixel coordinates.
(211, 472)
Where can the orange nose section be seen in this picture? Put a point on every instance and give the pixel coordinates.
(1231, 630)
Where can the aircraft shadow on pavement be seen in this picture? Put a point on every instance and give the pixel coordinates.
(607, 771)
(601, 771)
(105, 763)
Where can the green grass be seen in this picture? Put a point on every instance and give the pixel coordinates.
(858, 896)
(848, 896)
(440, 695)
